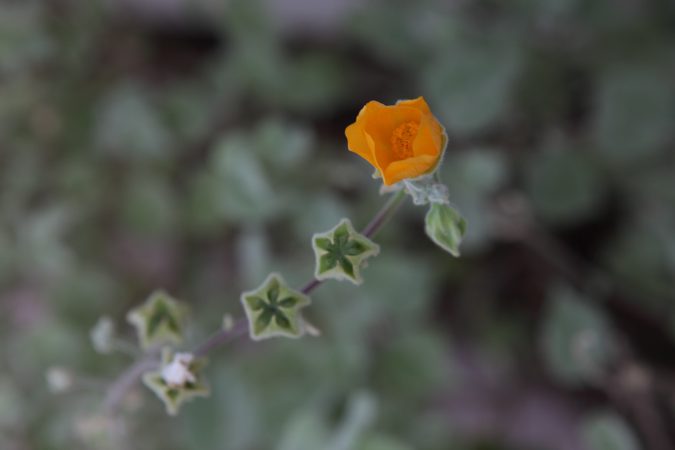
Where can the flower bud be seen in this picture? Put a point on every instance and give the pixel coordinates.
(178, 380)
(446, 227)
(59, 380)
(103, 335)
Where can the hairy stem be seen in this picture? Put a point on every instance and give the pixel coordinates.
(384, 214)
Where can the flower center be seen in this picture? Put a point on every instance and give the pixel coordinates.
(402, 140)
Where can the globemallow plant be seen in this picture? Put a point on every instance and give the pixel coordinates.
(405, 144)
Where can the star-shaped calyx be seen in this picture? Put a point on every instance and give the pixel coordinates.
(178, 380)
(341, 252)
(273, 309)
(160, 320)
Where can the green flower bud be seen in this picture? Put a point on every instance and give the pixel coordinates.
(446, 227)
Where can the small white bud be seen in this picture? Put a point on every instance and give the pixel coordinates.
(311, 329)
(228, 322)
(177, 372)
(59, 380)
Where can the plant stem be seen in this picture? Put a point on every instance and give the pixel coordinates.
(241, 325)
(384, 214)
(126, 380)
(222, 336)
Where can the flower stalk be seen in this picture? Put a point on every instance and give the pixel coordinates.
(240, 327)
(405, 144)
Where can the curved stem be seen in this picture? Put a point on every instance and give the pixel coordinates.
(126, 380)
(384, 214)
(222, 336)
(241, 325)
(127, 348)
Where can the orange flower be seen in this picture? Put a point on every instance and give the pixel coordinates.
(401, 141)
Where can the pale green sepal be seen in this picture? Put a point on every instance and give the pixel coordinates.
(426, 189)
(385, 190)
(160, 320)
(446, 227)
(273, 309)
(341, 252)
(177, 386)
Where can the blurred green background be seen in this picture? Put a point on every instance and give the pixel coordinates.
(196, 145)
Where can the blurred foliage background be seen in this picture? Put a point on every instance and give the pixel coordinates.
(196, 145)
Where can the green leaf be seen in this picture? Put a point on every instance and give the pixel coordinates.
(341, 252)
(642, 256)
(635, 111)
(149, 206)
(282, 145)
(23, 37)
(305, 430)
(578, 343)
(473, 78)
(382, 442)
(565, 186)
(244, 192)
(129, 125)
(409, 368)
(360, 413)
(474, 176)
(274, 317)
(314, 81)
(446, 227)
(608, 431)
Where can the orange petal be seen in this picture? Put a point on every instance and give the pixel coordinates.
(417, 103)
(381, 121)
(408, 168)
(357, 142)
(429, 140)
